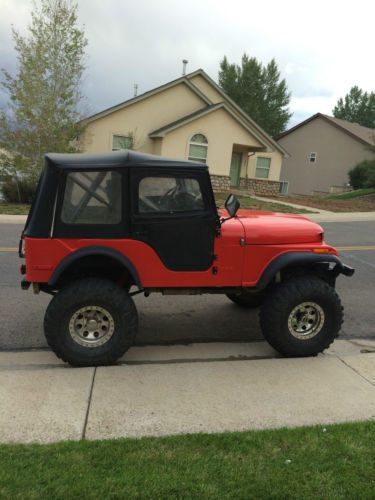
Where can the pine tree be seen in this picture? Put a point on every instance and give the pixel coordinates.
(44, 96)
(357, 106)
(258, 90)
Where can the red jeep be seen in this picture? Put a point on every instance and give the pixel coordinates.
(105, 227)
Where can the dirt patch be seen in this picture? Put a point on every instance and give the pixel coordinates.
(360, 204)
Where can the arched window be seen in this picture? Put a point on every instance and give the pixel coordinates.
(198, 146)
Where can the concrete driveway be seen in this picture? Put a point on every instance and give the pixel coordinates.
(162, 390)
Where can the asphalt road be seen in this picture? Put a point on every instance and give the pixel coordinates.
(175, 319)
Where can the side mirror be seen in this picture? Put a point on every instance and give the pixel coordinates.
(232, 205)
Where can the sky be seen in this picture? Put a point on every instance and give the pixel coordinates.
(322, 48)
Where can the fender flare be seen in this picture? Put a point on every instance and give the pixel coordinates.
(301, 258)
(99, 251)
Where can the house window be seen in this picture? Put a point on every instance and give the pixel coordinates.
(121, 142)
(198, 146)
(284, 187)
(312, 157)
(263, 167)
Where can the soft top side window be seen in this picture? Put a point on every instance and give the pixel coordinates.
(92, 198)
(168, 194)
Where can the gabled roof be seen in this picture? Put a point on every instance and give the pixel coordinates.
(235, 110)
(362, 134)
(163, 131)
(183, 79)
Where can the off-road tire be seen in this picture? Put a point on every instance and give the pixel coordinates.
(278, 308)
(246, 300)
(90, 292)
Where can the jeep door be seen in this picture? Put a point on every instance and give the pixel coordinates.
(174, 213)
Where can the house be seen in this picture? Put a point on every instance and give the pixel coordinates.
(192, 118)
(322, 151)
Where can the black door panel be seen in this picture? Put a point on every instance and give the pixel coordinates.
(184, 240)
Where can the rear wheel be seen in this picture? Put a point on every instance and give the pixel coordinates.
(246, 300)
(91, 322)
(301, 317)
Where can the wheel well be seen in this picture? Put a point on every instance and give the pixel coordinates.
(320, 270)
(96, 266)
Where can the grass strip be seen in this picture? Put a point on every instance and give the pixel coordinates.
(14, 209)
(335, 462)
(351, 194)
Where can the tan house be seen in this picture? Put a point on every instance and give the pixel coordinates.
(322, 151)
(192, 118)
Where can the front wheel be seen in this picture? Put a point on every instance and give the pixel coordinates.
(301, 317)
(91, 322)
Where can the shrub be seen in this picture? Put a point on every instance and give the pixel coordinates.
(21, 193)
(370, 181)
(363, 175)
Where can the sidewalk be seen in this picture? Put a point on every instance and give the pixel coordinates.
(162, 390)
(12, 219)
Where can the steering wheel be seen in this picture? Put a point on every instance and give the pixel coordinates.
(162, 203)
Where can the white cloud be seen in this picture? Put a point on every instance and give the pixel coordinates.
(321, 47)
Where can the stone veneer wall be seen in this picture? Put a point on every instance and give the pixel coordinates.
(260, 186)
(220, 182)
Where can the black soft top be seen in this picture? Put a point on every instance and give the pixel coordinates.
(114, 159)
(40, 221)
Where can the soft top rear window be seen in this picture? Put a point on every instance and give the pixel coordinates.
(92, 198)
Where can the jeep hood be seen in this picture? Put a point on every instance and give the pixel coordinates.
(267, 228)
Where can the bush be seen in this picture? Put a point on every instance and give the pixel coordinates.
(363, 175)
(23, 193)
(370, 181)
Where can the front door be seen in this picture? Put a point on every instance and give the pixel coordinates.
(235, 169)
(174, 213)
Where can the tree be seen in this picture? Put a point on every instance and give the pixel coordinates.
(358, 107)
(258, 90)
(44, 96)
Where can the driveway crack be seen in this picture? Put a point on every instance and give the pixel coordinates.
(357, 372)
(88, 405)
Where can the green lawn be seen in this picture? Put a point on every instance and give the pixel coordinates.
(352, 194)
(14, 209)
(336, 462)
(250, 203)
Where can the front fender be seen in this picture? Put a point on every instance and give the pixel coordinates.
(295, 259)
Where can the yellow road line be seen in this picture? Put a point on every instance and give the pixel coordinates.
(8, 249)
(364, 247)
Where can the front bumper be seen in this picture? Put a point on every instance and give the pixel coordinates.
(346, 270)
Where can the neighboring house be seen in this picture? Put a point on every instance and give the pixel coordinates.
(192, 118)
(322, 151)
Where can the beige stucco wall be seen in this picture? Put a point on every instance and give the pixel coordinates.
(207, 89)
(275, 166)
(221, 130)
(336, 152)
(141, 118)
